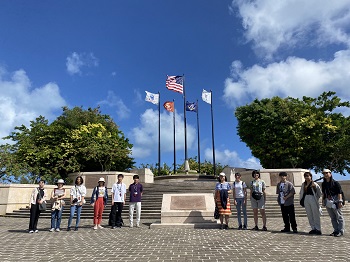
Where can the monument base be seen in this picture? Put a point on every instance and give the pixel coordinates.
(187, 211)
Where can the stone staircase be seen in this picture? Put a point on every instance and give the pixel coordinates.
(153, 194)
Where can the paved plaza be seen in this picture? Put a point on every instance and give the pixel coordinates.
(144, 244)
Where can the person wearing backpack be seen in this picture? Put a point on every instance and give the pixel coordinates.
(99, 199)
(239, 189)
(333, 201)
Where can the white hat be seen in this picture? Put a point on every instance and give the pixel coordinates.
(101, 179)
(60, 181)
(326, 171)
(222, 174)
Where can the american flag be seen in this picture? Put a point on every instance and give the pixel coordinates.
(175, 83)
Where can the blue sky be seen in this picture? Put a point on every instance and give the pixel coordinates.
(108, 53)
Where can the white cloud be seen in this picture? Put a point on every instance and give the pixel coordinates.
(271, 24)
(20, 103)
(145, 136)
(112, 100)
(294, 77)
(231, 158)
(76, 61)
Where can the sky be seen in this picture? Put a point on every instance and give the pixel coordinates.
(108, 53)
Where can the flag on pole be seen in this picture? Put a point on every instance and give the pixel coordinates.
(191, 106)
(175, 83)
(153, 98)
(206, 96)
(169, 106)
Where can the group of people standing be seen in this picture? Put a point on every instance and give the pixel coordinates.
(77, 195)
(310, 193)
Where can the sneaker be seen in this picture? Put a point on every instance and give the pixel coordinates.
(131, 226)
(76, 229)
(312, 232)
(31, 231)
(240, 227)
(284, 230)
(226, 227)
(113, 227)
(68, 228)
(222, 226)
(295, 231)
(244, 227)
(57, 230)
(255, 228)
(100, 227)
(36, 231)
(52, 229)
(95, 227)
(137, 225)
(333, 234)
(318, 232)
(338, 234)
(264, 228)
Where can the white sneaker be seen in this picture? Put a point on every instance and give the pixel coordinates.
(95, 227)
(57, 230)
(131, 226)
(137, 225)
(99, 226)
(36, 231)
(31, 231)
(52, 229)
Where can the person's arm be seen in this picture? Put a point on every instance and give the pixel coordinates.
(340, 196)
(141, 189)
(291, 191)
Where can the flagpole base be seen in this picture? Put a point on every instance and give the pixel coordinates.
(187, 166)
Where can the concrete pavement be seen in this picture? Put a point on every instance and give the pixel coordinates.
(144, 244)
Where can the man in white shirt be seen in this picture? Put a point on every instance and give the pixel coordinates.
(118, 202)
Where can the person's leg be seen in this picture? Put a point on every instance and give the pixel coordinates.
(255, 211)
(263, 215)
(293, 222)
(32, 217)
(244, 206)
(53, 219)
(100, 212)
(340, 220)
(114, 215)
(285, 216)
(131, 213)
(36, 218)
(333, 217)
(239, 202)
(308, 203)
(119, 213)
(79, 208)
(138, 213)
(59, 218)
(71, 215)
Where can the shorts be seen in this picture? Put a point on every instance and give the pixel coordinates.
(260, 204)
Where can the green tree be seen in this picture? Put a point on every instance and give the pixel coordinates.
(78, 140)
(291, 132)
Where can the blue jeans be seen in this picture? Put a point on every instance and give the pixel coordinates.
(72, 211)
(56, 216)
(240, 205)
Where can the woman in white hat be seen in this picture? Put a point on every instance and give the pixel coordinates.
(98, 201)
(57, 196)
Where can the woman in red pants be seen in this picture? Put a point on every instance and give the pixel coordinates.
(98, 201)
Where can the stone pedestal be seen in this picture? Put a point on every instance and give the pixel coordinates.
(187, 211)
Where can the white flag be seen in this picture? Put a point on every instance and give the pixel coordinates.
(206, 96)
(153, 98)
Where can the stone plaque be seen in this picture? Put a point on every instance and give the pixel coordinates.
(187, 203)
(91, 181)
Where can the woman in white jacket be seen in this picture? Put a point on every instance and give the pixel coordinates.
(312, 196)
(37, 197)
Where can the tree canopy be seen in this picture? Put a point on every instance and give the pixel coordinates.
(305, 133)
(78, 140)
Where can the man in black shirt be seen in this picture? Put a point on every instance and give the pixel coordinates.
(333, 201)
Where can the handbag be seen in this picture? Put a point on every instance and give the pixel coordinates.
(317, 202)
(257, 195)
(330, 203)
(216, 212)
(42, 206)
(302, 200)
